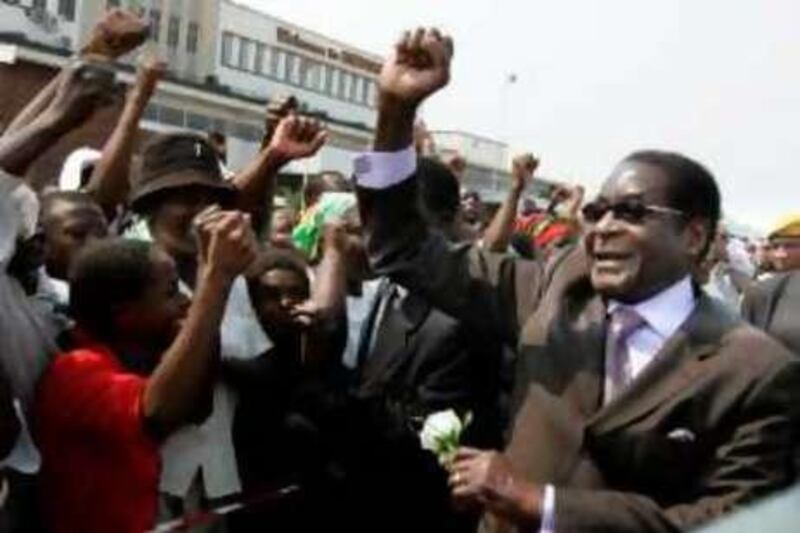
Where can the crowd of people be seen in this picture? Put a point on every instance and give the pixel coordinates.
(181, 349)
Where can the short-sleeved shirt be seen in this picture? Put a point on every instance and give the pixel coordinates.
(100, 466)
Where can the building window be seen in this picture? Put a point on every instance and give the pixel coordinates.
(245, 54)
(258, 66)
(334, 81)
(155, 24)
(323, 77)
(365, 91)
(174, 32)
(66, 8)
(344, 85)
(312, 75)
(358, 89)
(276, 64)
(172, 116)
(192, 36)
(198, 122)
(292, 69)
(373, 94)
(227, 49)
(302, 70)
(355, 83)
(267, 60)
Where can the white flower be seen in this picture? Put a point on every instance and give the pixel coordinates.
(441, 433)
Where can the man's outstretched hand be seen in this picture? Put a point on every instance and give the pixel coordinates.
(418, 67)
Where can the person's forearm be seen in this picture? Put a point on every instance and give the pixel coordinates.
(497, 236)
(256, 185)
(176, 386)
(35, 107)
(395, 126)
(19, 149)
(330, 289)
(110, 183)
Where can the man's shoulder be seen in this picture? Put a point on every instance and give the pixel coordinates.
(79, 367)
(95, 358)
(775, 283)
(749, 349)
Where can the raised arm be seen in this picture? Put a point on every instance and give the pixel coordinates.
(36, 107)
(109, 183)
(117, 33)
(79, 92)
(497, 236)
(329, 290)
(294, 138)
(467, 283)
(176, 386)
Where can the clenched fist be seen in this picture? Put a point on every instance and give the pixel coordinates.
(418, 67)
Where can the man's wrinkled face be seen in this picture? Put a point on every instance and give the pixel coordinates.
(633, 260)
(171, 220)
(784, 253)
(68, 227)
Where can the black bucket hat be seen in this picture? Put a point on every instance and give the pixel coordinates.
(177, 161)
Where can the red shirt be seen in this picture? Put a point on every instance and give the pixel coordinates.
(100, 467)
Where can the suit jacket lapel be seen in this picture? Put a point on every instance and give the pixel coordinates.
(585, 389)
(397, 325)
(676, 365)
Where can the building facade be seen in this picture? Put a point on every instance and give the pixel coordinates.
(226, 61)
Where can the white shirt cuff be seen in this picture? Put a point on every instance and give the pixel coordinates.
(381, 170)
(548, 510)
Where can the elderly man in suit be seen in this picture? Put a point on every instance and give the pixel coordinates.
(639, 405)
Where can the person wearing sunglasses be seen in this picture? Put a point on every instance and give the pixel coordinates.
(640, 405)
(773, 304)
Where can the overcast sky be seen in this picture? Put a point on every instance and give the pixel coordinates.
(716, 79)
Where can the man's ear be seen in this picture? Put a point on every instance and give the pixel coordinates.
(698, 238)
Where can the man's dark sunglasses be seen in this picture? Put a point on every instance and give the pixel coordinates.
(631, 211)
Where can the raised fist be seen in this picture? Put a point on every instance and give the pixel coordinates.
(278, 109)
(418, 67)
(116, 34)
(149, 74)
(297, 137)
(227, 241)
(522, 169)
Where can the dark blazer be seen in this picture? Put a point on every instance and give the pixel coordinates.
(423, 361)
(708, 426)
(773, 305)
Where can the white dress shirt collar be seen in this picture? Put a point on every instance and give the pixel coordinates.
(666, 311)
